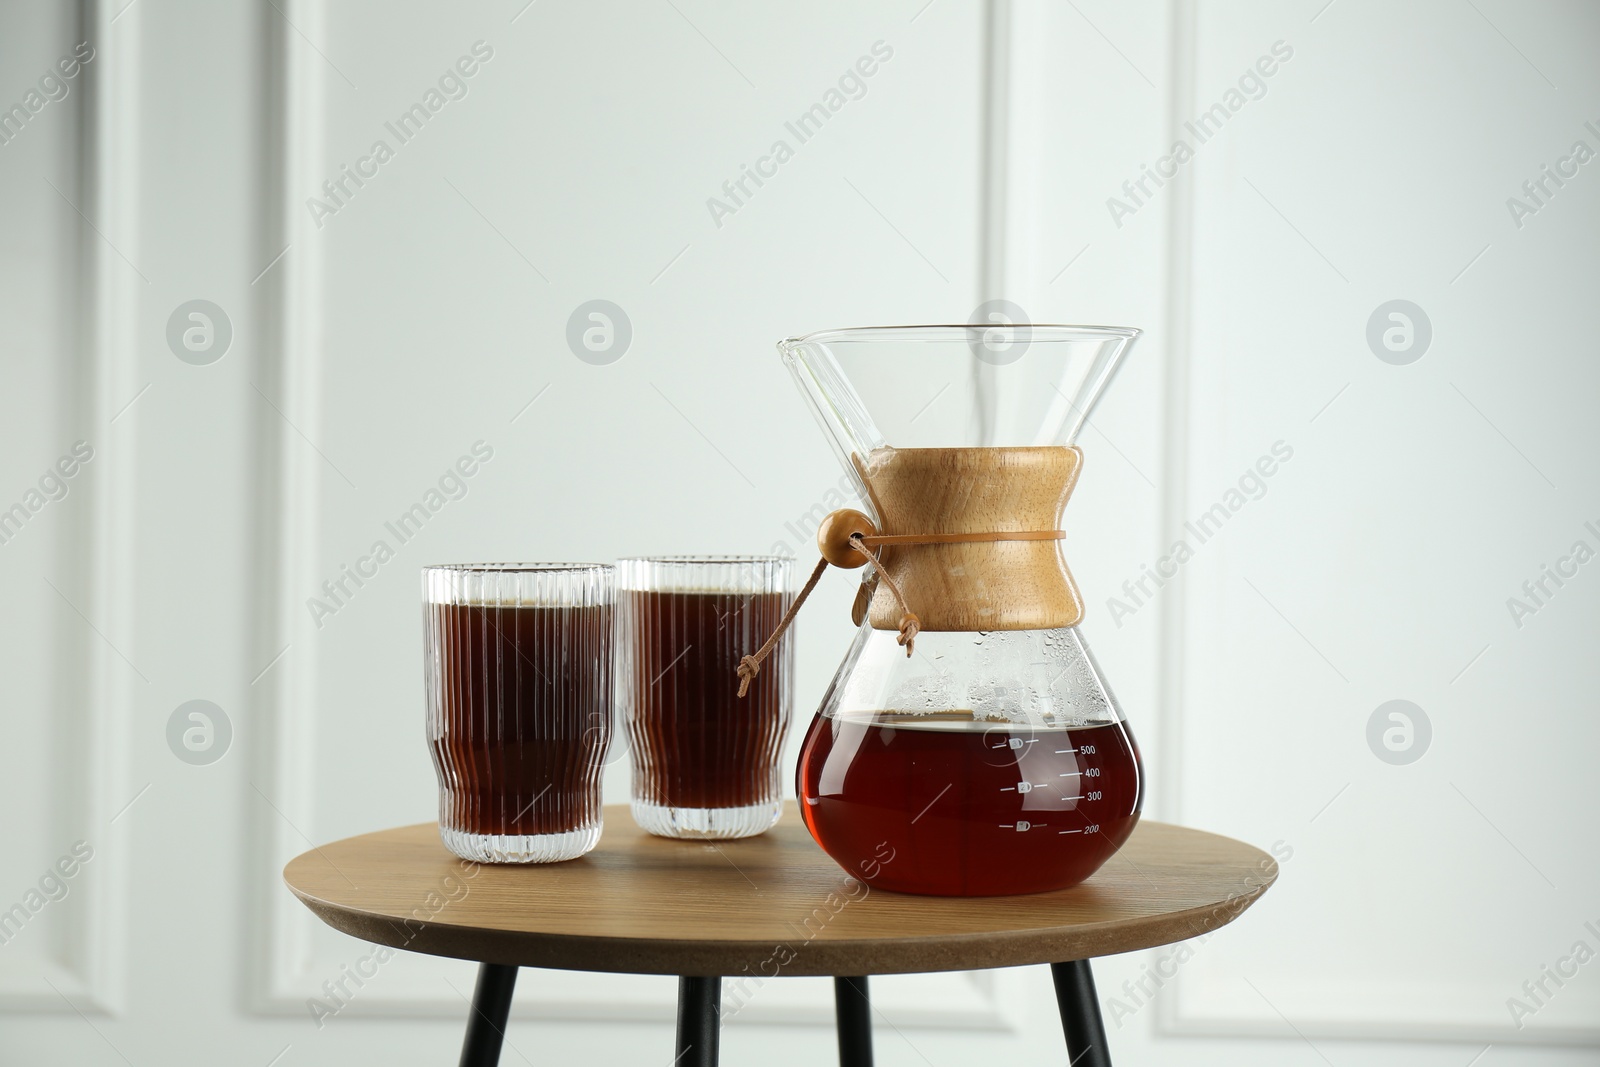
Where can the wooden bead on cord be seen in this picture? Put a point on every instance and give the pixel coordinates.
(833, 537)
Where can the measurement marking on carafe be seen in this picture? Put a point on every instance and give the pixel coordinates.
(1022, 787)
(1023, 825)
(1015, 742)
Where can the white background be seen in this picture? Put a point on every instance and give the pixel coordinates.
(431, 308)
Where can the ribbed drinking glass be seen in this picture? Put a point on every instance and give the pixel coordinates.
(705, 762)
(518, 669)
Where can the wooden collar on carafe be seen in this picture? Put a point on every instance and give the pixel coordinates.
(848, 539)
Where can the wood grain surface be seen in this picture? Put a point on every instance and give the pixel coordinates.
(773, 904)
(995, 585)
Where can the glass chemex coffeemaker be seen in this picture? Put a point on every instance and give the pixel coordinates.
(969, 744)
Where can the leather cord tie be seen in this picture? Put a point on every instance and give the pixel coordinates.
(847, 539)
(750, 666)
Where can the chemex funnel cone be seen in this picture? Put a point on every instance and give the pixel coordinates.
(955, 386)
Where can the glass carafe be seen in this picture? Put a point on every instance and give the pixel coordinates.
(968, 744)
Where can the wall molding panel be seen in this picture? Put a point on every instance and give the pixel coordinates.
(88, 974)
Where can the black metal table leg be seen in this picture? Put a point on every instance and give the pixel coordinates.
(1080, 1014)
(853, 1011)
(699, 1013)
(491, 1007)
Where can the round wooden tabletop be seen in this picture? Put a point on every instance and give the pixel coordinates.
(773, 904)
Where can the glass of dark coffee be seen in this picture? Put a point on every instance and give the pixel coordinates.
(706, 764)
(518, 667)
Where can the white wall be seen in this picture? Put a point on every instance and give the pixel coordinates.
(430, 308)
